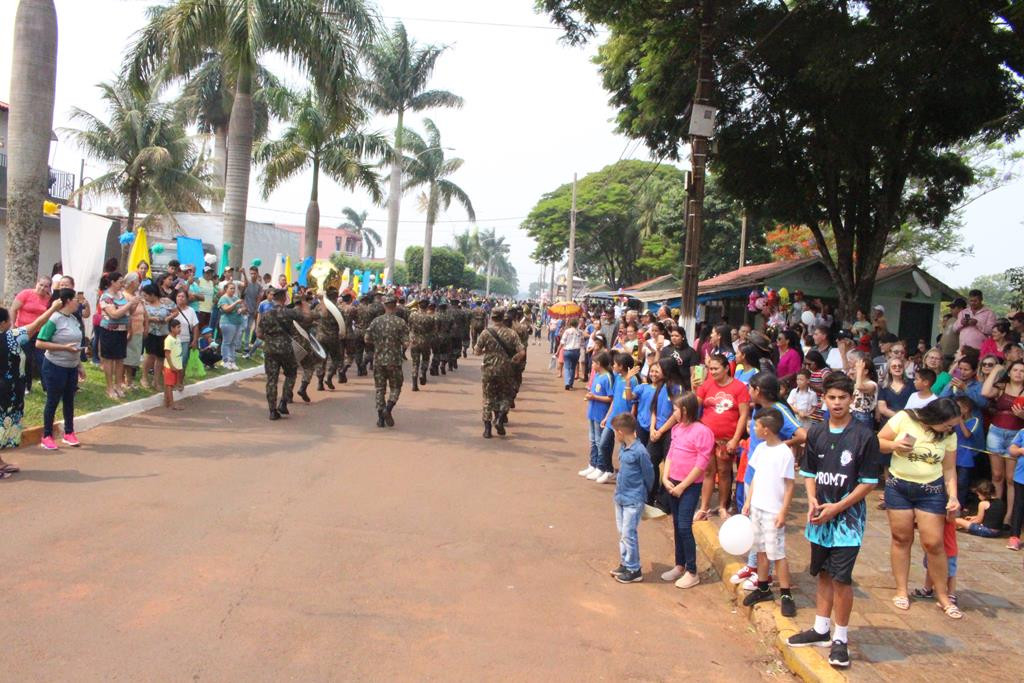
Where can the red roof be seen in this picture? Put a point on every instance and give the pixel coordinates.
(648, 283)
(752, 275)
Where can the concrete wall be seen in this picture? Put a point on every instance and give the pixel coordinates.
(49, 249)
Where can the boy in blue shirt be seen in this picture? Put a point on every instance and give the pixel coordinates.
(970, 438)
(621, 366)
(636, 475)
(598, 399)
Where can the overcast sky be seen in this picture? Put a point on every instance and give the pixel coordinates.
(535, 113)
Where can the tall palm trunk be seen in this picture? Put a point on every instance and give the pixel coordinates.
(220, 159)
(487, 290)
(313, 213)
(394, 199)
(133, 208)
(428, 238)
(239, 165)
(33, 82)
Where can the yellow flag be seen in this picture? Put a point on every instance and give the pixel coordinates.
(140, 252)
(289, 274)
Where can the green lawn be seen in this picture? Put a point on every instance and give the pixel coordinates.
(92, 394)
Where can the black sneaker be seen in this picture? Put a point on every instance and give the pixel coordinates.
(757, 596)
(621, 569)
(839, 655)
(809, 637)
(635, 576)
(788, 606)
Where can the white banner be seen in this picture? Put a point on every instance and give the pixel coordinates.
(83, 242)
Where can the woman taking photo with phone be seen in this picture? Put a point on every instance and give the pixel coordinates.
(1004, 389)
(921, 490)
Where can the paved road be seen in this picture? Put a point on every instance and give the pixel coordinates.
(215, 545)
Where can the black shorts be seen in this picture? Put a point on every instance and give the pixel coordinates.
(836, 562)
(154, 344)
(113, 344)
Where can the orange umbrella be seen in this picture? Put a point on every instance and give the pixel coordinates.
(565, 309)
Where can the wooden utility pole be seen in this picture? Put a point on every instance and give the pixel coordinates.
(571, 266)
(743, 239)
(551, 295)
(695, 190)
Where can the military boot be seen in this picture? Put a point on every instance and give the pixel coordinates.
(442, 368)
(319, 383)
(282, 407)
(330, 383)
(423, 377)
(274, 415)
(513, 406)
(388, 419)
(343, 376)
(415, 382)
(380, 418)
(487, 429)
(499, 424)
(302, 392)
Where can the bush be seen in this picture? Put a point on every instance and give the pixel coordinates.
(447, 266)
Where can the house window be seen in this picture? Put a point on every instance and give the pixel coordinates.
(350, 245)
(319, 244)
(337, 244)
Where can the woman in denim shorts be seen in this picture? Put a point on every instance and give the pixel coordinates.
(921, 489)
(1004, 390)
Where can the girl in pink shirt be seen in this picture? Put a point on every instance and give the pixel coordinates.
(688, 457)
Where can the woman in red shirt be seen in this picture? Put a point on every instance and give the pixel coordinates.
(1005, 394)
(726, 408)
(28, 305)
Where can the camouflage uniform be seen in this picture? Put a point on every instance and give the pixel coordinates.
(329, 335)
(524, 330)
(459, 326)
(477, 322)
(366, 311)
(421, 328)
(498, 370)
(275, 330)
(388, 334)
(443, 322)
(311, 361)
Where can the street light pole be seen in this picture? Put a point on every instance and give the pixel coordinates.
(571, 265)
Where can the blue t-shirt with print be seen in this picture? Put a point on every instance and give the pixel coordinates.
(789, 426)
(967, 447)
(602, 386)
(621, 404)
(1018, 473)
(645, 394)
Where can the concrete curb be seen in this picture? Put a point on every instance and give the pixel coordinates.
(32, 435)
(806, 662)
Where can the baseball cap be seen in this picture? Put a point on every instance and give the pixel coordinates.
(390, 299)
(207, 330)
(845, 334)
(878, 307)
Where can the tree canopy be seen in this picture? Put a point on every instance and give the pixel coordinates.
(846, 116)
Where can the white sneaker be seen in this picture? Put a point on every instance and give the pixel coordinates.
(687, 580)
(672, 574)
(605, 478)
(595, 474)
(751, 583)
(583, 473)
(742, 575)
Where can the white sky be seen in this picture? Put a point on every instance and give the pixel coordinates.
(535, 113)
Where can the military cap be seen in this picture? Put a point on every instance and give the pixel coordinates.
(390, 299)
(498, 314)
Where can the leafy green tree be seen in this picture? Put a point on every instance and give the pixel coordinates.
(494, 253)
(355, 222)
(151, 162)
(427, 167)
(467, 243)
(447, 270)
(324, 136)
(845, 115)
(399, 73)
(322, 37)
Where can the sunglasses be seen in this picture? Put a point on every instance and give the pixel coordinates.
(988, 365)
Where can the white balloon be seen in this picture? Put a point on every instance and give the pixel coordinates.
(736, 535)
(807, 318)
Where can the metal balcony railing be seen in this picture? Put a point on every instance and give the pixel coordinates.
(59, 187)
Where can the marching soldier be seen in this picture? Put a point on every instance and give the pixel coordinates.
(366, 311)
(524, 330)
(310, 362)
(389, 335)
(353, 336)
(421, 331)
(501, 349)
(458, 325)
(328, 333)
(477, 322)
(274, 330)
(442, 326)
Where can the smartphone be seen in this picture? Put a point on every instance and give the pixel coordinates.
(907, 439)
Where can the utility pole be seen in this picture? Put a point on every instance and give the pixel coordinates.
(81, 182)
(571, 265)
(743, 239)
(695, 190)
(551, 295)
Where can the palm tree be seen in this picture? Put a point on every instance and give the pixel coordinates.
(33, 84)
(152, 163)
(356, 224)
(428, 166)
(492, 249)
(206, 100)
(399, 71)
(323, 37)
(468, 244)
(323, 136)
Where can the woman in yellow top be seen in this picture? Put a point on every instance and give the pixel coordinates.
(921, 488)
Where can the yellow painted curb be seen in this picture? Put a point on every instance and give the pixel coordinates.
(806, 662)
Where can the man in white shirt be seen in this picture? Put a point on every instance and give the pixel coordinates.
(833, 357)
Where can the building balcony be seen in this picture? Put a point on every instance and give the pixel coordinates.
(59, 188)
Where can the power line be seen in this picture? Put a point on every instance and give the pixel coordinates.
(385, 220)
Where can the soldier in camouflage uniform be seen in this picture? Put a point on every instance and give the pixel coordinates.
(389, 336)
(477, 321)
(460, 325)
(442, 332)
(275, 330)
(501, 349)
(328, 333)
(353, 337)
(421, 331)
(366, 311)
(311, 361)
(524, 330)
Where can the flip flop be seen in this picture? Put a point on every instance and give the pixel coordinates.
(8, 467)
(901, 602)
(952, 611)
(5, 474)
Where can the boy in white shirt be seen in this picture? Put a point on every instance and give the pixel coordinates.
(923, 381)
(768, 500)
(802, 399)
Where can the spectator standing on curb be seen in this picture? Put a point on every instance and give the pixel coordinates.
(840, 467)
(61, 341)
